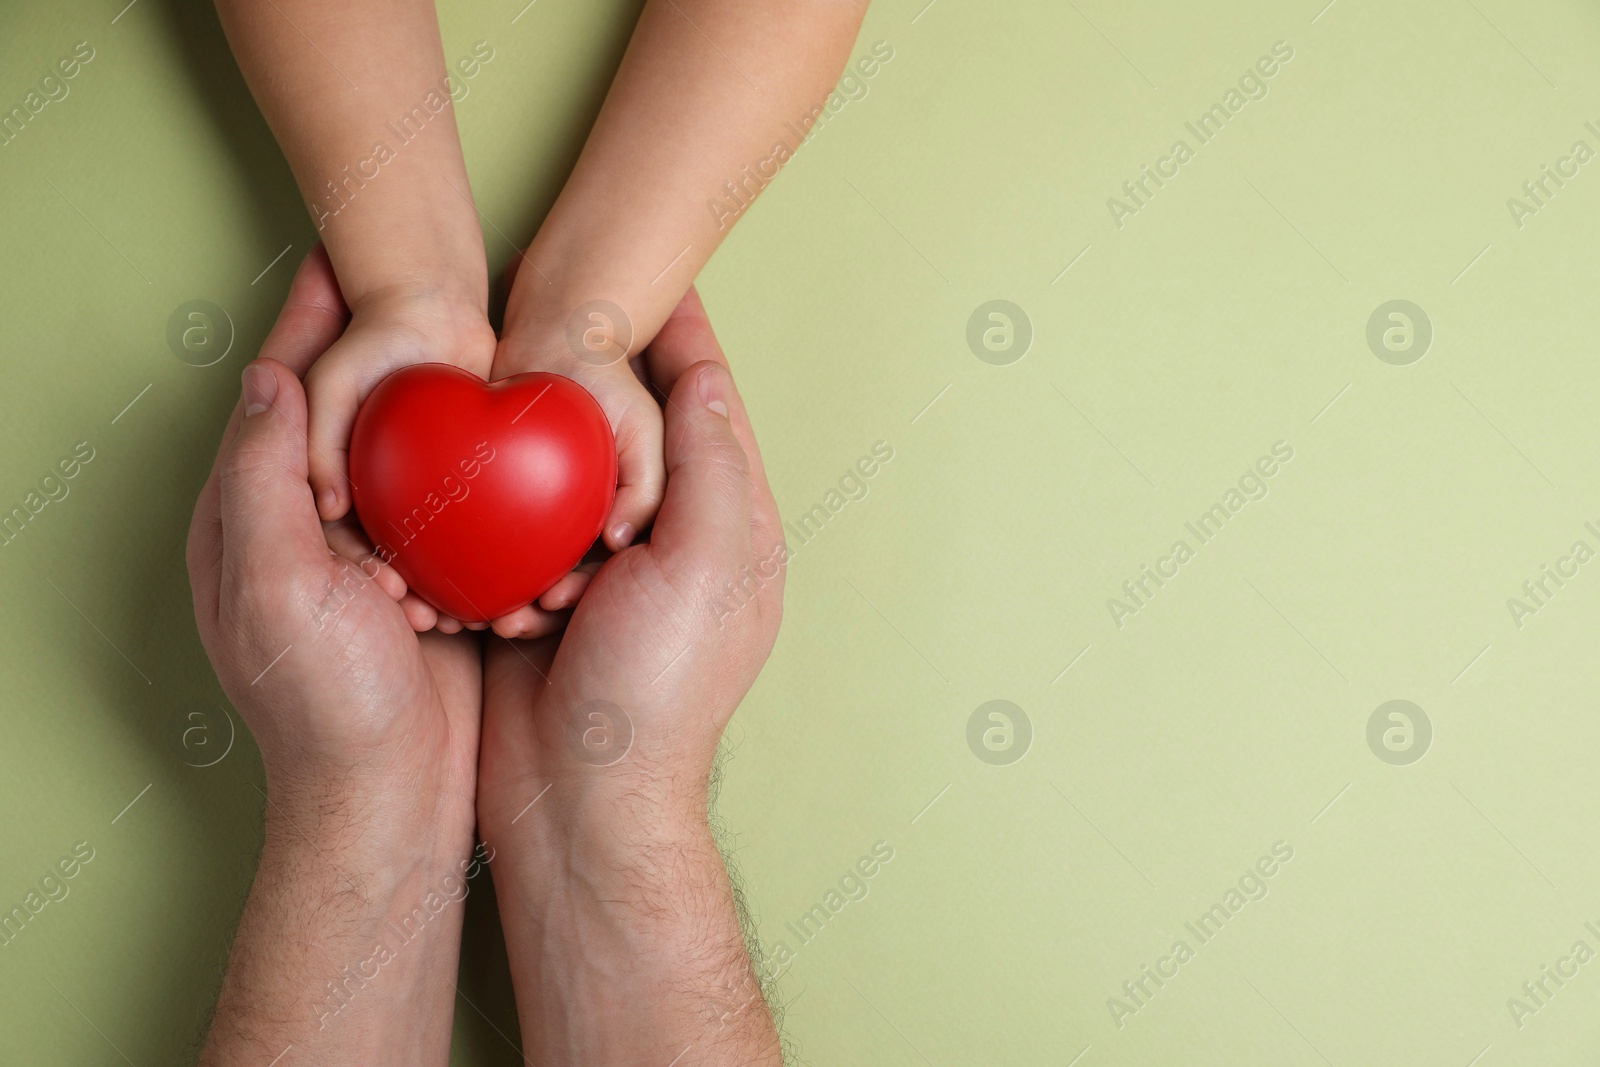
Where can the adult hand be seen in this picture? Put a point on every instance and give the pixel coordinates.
(596, 357)
(368, 733)
(598, 746)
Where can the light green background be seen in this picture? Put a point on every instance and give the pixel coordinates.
(1228, 714)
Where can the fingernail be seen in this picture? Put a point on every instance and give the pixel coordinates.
(622, 534)
(330, 500)
(260, 389)
(709, 393)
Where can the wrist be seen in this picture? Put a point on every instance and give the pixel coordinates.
(440, 255)
(580, 828)
(363, 881)
(344, 954)
(624, 937)
(446, 324)
(435, 304)
(374, 817)
(557, 317)
(623, 834)
(431, 275)
(375, 837)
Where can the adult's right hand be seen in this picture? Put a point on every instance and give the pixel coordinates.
(598, 745)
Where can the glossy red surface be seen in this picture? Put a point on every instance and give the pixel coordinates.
(481, 494)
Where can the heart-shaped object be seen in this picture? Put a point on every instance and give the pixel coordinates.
(481, 495)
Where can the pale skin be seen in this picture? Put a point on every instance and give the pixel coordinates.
(620, 924)
(368, 732)
(706, 92)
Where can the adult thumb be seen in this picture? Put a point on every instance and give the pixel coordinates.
(707, 504)
(269, 521)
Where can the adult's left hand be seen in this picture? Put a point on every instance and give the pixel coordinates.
(368, 732)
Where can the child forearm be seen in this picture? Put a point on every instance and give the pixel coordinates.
(357, 96)
(706, 94)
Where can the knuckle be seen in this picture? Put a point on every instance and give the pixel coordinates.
(251, 472)
(727, 461)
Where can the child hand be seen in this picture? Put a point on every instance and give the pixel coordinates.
(386, 332)
(383, 334)
(594, 353)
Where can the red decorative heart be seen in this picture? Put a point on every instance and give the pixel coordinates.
(481, 495)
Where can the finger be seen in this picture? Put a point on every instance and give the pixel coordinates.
(451, 620)
(335, 390)
(312, 318)
(457, 669)
(550, 622)
(269, 523)
(568, 589)
(337, 384)
(766, 527)
(347, 540)
(686, 339)
(422, 615)
(706, 513)
(528, 622)
(641, 479)
(459, 687)
(512, 624)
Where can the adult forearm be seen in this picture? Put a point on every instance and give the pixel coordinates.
(624, 941)
(357, 96)
(348, 945)
(712, 97)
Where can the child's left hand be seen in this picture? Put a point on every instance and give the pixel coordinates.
(605, 370)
